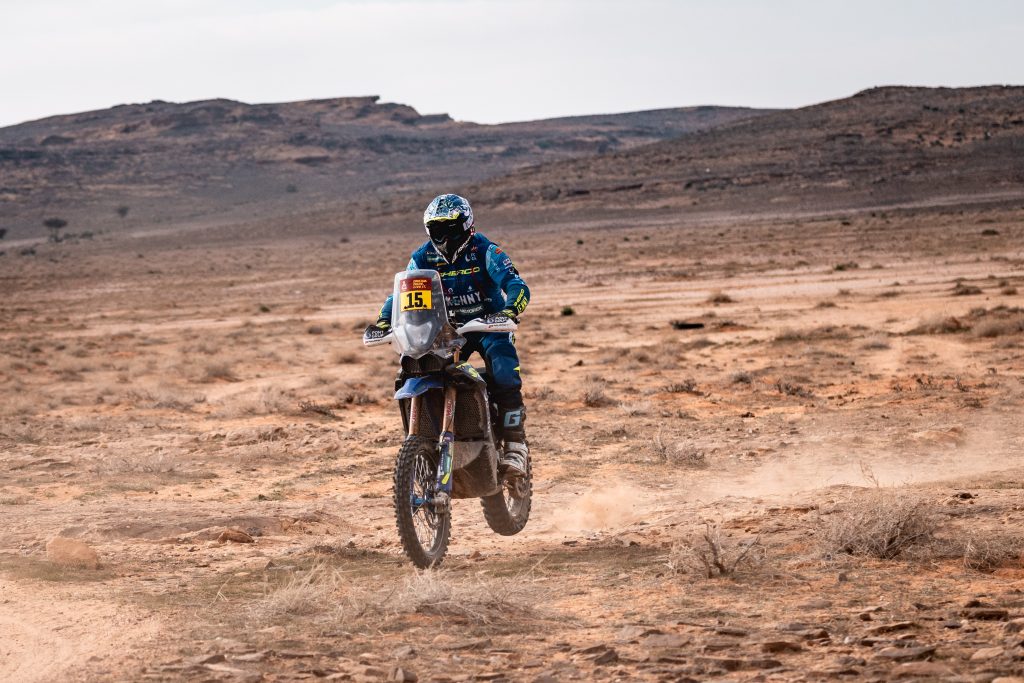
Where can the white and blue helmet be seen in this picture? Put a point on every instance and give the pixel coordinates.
(448, 221)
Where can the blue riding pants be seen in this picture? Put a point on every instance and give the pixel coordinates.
(499, 353)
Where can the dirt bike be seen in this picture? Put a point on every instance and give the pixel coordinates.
(452, 435)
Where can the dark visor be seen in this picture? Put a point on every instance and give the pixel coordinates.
(444, 229)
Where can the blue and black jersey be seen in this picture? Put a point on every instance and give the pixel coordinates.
(482, 280)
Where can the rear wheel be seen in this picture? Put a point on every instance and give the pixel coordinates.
(508, 510)
(423, 531)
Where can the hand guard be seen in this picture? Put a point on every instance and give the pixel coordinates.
(511, 314)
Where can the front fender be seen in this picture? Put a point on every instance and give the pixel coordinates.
(414, 386)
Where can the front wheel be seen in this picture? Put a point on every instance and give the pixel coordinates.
(508, 510)
(424, 532)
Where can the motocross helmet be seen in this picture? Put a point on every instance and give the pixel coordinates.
(448, 221)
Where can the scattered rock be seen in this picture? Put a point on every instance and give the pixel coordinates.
(815, 604)
(906, 654)
(932, 670)
(893, 627)
(609, 656)
(400, 675)
(987, 653)
(478, 643)
(202, 660)
(234, 536)
(665, 641)
(70, 552)
(775, 646)
(985, 613)
(1014, 625)
(732, 631)
(404, 652)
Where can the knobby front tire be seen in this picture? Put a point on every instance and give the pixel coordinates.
(423, 532)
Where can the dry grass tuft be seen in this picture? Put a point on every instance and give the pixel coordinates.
(675, 451)
(218, 370)
(988, 552)
(876, 343)
(594, 395)
(635, 408)
(882, 523)
(940, 324)
(710, 554)
(310, 592)
(475, 599)
(720, 297)
(998, 327)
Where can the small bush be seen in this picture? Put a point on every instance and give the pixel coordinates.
(741, 377)
(313, 591)
(883, 523)
(710, 554)
(960, 289)
(987, 552)
(568, 310)
(594, 394)
(849, 265)
(216, 370)
(876, 343)
(478, 600)
(720, 297)
(686, 386)
(940, 324)
(998, 327)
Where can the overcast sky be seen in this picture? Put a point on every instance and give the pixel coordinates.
(496, 60)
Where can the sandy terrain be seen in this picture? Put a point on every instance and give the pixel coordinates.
(866, 365)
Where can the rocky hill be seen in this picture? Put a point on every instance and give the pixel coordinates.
(881, 146)
(218, 161)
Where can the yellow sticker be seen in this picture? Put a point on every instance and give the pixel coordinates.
(416, 300)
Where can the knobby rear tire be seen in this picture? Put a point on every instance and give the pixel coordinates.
(415, 470)
(505, 514)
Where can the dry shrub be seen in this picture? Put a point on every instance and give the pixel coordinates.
(345, 358)
(12, 499)
(825, 304)
(142, 463)
(1008, 291)
(306, 593)
(876, 343)
(270, 400)
(961, 289)
(882, 523)
(675, 451)
(164, 396)
(720, 297)
(817, 333)
(218, 370)
(998, 327)
(741, 377)
(477, 599)
(686, 386)
(710, 554)
(986, 552)
(594, 394)
(940, 324)
(14, 404)
(542, 393)
(635, 408)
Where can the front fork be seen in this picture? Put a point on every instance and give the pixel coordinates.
(443, 485)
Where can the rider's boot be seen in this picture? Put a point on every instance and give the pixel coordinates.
(515, 454)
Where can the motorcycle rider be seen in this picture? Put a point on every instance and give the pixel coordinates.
(479, 279)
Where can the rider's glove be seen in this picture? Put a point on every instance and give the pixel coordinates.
(379, 328)
(511, 314)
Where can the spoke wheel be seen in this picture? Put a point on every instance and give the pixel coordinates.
(508, 510)
(423, 531)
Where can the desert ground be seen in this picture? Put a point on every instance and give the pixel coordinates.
(821, 480)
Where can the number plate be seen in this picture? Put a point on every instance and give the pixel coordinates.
(415, 294)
